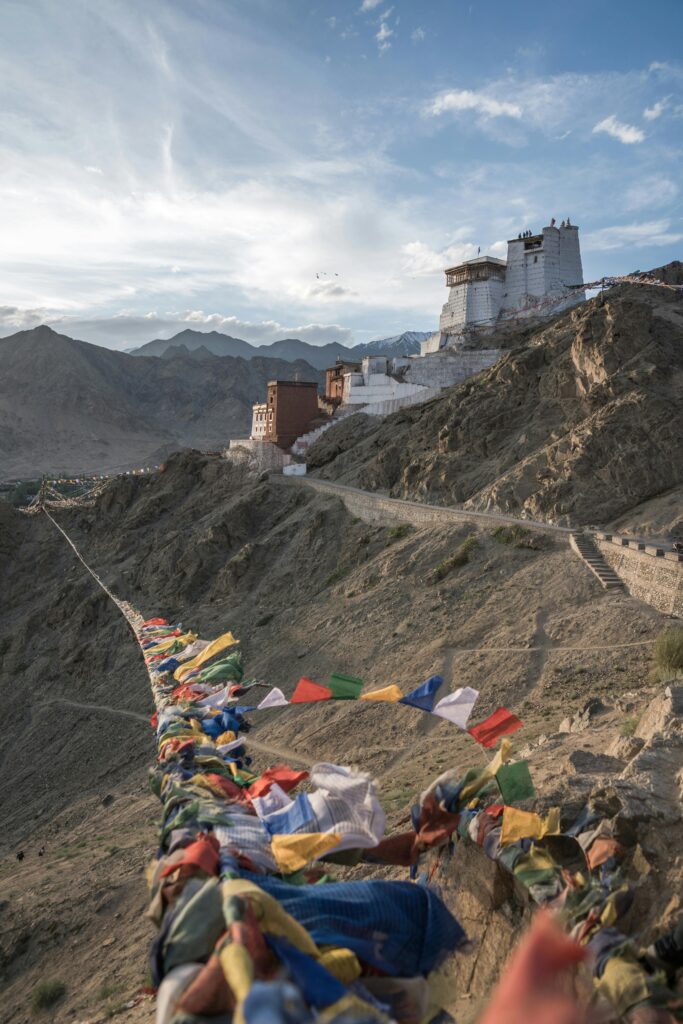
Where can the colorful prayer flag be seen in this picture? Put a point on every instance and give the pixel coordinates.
(457, 707)
(307, 691)
(274, 699)
(423, 696)
(527, 825)
(500, 723)
(296, 851)
(215, 647)
(514, 782)
(391, 694)
(345, 687)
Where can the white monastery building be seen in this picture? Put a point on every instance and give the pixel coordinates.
(542, 274)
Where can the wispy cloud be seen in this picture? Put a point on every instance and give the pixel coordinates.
(418, 34)
(457, 100)
(369, 5)
(626, 133)
(385, 32)
(656, 232)
(656, 110)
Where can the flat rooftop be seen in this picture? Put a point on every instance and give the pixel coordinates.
(478, 259)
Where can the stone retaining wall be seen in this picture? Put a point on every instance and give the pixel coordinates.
(377, 508)
(650, 574)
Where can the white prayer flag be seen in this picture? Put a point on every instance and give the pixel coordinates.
(274, 699)
(457, 706)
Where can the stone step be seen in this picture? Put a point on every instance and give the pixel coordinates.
(592, 558)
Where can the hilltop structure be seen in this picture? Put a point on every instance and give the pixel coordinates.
(542, 273)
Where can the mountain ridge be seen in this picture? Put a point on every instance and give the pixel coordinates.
(289, 349)
(70, 406)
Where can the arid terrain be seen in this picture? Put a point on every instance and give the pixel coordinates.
(308, 589)
(578, 423)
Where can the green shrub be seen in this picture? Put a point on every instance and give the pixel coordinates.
(668, 652)
(629, 726)
(47, 993)
(397, 532)
(459, 558)
(337, 575)
(510, 534)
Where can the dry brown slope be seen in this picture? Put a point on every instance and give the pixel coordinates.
(308, 590)
(578, 425)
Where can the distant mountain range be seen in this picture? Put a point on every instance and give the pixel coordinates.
(70, 407)
(201, 344)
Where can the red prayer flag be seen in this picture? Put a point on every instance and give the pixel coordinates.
(155, 622)
(154, 720)
(307, 691)
(500, 723)
(285, 777)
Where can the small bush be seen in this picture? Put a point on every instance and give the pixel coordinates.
(47, 993)
(628, 726)
(669, 652)
(336, 576)
(457, 559)
(397, 532)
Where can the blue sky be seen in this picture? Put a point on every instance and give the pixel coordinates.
(271, 168)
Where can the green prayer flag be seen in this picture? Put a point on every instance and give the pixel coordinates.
(514, 782)
(345, 687)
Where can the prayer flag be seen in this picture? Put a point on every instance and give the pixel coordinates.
(391, 694)
(457, 707)
(527, 825)
(423, 696)
(274, 699)
(215, 647)
(307, 691)
(296, 851)
(285, 777)
(345, 687)
(500, 723)
(514, 782)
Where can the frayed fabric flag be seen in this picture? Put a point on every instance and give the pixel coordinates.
(390, 694)
(274, 699)
(457, 707)
(307, 691)
(294, 852)
(423, 697)
(286, 778)
(500, 723)
(514, 782)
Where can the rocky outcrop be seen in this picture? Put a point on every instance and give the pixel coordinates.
(578, 424)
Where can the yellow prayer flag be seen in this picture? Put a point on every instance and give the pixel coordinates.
(488, 773)
(527, 825)
(390, 694)
(217, 645)
(623, 983)
(293, 852)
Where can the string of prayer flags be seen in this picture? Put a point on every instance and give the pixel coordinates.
(457, 707)
(527, 825)
(390, 694)
(274, 699)
(307, 691)
(345, 687)
(423, 697)
(500, 723)
(514, 782)
(293, 852)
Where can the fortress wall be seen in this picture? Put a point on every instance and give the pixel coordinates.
(442, 370)
(655, 579)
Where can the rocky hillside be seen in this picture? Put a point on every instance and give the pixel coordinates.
(308, 589)
(67, 406)
(578, 423)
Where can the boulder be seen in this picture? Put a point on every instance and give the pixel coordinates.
(663, 714)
